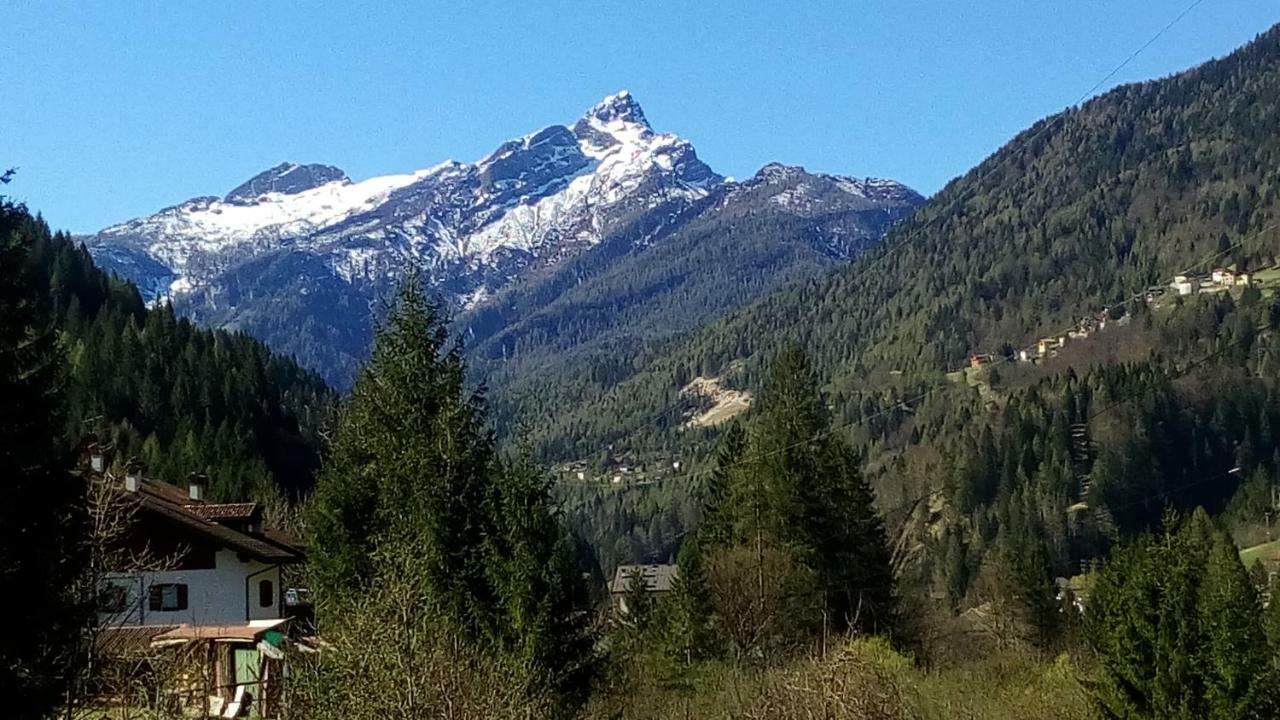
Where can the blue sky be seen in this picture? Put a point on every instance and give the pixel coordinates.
(116, 109)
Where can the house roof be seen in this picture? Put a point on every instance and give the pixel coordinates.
(225, 511)
(657, 578)
(248, 632)
(127, 640)
(172, 504)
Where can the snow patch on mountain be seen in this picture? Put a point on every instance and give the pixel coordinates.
(299, 253)
(540, 197)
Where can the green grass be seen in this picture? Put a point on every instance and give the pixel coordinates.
(1267, 278)
(1265, 551)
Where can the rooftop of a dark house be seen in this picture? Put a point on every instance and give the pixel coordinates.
(273, 547)
(236, 526)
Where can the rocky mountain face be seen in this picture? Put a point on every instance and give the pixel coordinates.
(299, 255)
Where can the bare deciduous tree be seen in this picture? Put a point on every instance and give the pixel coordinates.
(763, 597)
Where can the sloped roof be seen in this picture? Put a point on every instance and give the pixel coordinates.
(657, 578)
(174, 505)
(225, 511)
(128, 640)
(250, 631)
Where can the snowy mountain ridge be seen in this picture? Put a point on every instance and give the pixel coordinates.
(299, 254)
(556, 187)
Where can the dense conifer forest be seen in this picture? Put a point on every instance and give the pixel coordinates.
(181, 398)
(1080, 211)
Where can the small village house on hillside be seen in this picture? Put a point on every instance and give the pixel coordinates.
(198, 580)
(1046, 345)
(657, 581)
(1218, 280)
(1185, 284)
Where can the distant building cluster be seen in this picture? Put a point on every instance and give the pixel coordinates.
(617, 471)
(1217, 281)
(1220, 279)
(1048, 346)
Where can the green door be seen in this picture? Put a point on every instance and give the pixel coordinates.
(247, 667)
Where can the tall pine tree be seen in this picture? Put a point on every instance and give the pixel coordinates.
(42, 528)
(1177, 629)
(413, 472)
(789, 481)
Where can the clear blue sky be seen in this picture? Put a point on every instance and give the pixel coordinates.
(116, 109)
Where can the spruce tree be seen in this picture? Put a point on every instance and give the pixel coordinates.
(1271, 618)
(42, 527)
(413, 475)
(1177, 630)
(410, 464)
(1239, 679)
(789, 482)
(540, 590)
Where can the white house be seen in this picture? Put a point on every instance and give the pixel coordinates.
(1185, 284)
(216, 564)
(199, 576)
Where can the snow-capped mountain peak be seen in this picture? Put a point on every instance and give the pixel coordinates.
(287, 179)
(533, 200)
(804, 192)
(621, 108)
(298, 231)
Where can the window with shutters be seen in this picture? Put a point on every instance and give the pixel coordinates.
(168, 597)
(266, 593)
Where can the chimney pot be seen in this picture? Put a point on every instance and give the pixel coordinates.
(195, 486)
(133, 475)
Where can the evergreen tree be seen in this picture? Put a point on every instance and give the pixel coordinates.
(639, 601)
(42, 524)
(789, 483)
(1177, 630)
(540, 590)
(1271, 618)
(413, 475)
(410, 464)
(1239, 680)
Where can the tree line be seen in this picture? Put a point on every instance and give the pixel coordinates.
(181, 398)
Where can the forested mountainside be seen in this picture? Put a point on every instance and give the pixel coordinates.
(1085, 209)
(591, 320)
(1039, 471)
(181, 398)
(301, 256)
(1082, 210)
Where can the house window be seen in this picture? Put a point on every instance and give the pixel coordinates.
(113, 599)
(266, 593)
(168, 597)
